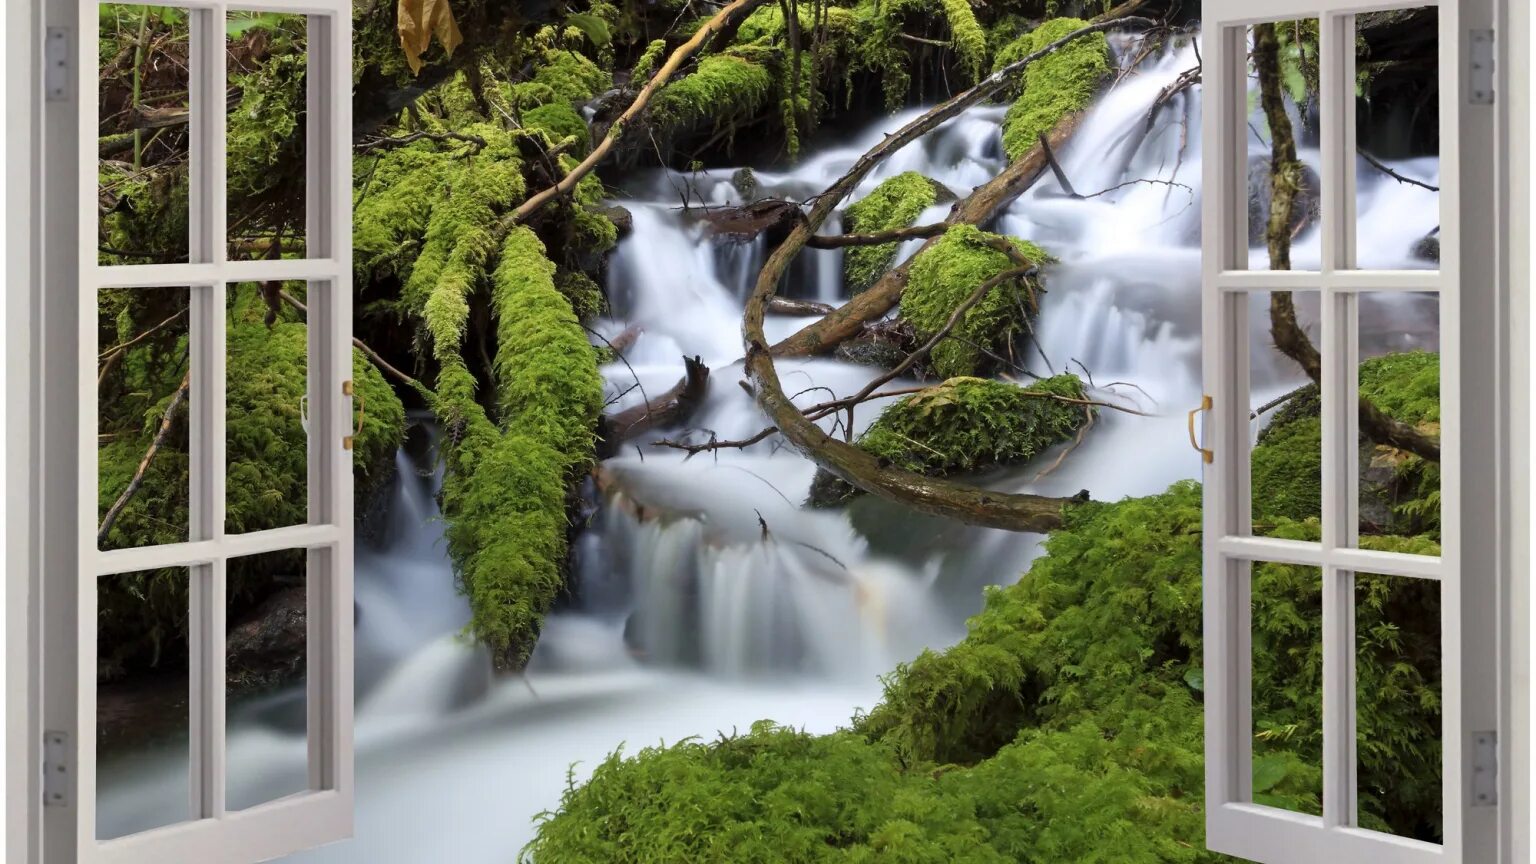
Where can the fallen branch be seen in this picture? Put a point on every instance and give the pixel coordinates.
(671, 408)
(786, 306)
(1380, 166)
(391, 143)
(840, 241)
(134, 485)
(730, 16)
(371, 354)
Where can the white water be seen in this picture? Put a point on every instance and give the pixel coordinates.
(736, 604)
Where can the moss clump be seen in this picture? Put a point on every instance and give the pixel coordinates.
(895, 203)
(1054, 86)
(1066, 726)
(504, 493)
(559, 121)
(725, 90)
(970, 41)
(572, 77)
(945, 274)
(584, 295)
(967, 424)
(648, 63)
(1400, 492)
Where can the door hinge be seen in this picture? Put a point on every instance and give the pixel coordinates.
(56, 65)
(58, 770)
(1485, 769)
(1480, 68)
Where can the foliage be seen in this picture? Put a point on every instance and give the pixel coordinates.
(1054, 86)
(1066, 726)
(649, 62)
(559, 121)
(572, 77)
(895, 203)
(945, 274)
(970, 41)
(504, 493)
(725, 90)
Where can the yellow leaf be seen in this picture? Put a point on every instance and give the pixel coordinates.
(418, 21)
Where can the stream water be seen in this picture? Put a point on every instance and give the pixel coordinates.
(695, 623)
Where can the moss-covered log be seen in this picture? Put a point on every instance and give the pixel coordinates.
(1057, 86)
(895, 203)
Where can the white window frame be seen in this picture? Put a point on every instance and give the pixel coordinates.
(62, 671)
(1473, 570)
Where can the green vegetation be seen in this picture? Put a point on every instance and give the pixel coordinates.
(967, 424)
(946, 274)
(1058, 85)
(895, 203)
(725, 91)
(1066, 726)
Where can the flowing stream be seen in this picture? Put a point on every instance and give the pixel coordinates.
(736, 604)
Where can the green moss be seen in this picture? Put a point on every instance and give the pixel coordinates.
(1054, 86)
(970, 41)
(648, 63)
(584, 295)
(945, 274)
(1065, 726)
(967, 424)
(559, 121)
(504, 493)
(572, 77)
(1287, 457)
(146, 212)
(895, 203)
(725, 89)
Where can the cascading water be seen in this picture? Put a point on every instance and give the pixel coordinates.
(707, 597)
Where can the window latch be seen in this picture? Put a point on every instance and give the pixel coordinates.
(348, 389)
(1207, 456)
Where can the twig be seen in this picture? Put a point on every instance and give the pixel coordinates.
(134, 485)
(371, 354)
(391, 143)
(1379, 166)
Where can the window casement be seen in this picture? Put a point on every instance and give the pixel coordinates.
(219, 823)
(1332, 283)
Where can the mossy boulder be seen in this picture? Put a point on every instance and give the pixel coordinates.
(966, 424)
(1055, 86)
(895, 203)
(725, 90)
(1065, 726)
(945, 274)
(1399, 492)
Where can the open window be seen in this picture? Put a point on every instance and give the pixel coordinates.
(1303, 299)
(162, 512)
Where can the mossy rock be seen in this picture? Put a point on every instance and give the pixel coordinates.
(725, 90)
(571, 77)
(1055, 86)
(895, 203)
(1065, 726)
(943, 275)
(1399, 492)
(966, 424)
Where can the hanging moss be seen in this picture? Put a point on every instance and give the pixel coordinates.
(1066, 726)
(970, 41)
(967, 424)
(895, 203)
(648, 63)
(504, 493)
(944, 275)
(1055, 86)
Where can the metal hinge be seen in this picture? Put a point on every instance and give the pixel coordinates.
(56, 62)
(58, 770)
(1480, 68)
(1485, 769)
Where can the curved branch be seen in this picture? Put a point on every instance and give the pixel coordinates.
(728, 17)
(137, 482)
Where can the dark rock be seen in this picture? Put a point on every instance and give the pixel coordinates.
(621, 218)
(746, 184)
(741, 224)
(1427, 248)
(267, 648)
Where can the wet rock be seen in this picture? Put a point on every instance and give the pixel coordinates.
(621, 218)
(746, 184)
(1304, 212)
(267, 648)
(1427, 248)
(741, 224)
(871, 351)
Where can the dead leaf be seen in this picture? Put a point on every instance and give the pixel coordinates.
(418, 21)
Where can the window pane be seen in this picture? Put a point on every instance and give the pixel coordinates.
(267, 420)
(1399, 379)
(1283, 145)
(143, 145)
(267, 67)
(1287, 687)
(144, 391)
(1398, 699)
(142, 690)
(1397, 122)
(267, 620)
(1284, 410)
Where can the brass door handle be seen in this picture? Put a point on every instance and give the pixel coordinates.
(347, 389)
(1208, 456)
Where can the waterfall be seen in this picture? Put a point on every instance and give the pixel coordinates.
(706, 597)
